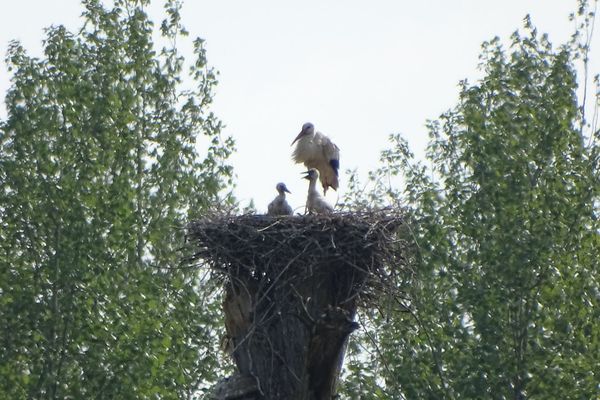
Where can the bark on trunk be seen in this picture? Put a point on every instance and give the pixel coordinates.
(289, 335)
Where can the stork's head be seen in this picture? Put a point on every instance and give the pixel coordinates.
(307, 129)
(311, 174)
(281, 188)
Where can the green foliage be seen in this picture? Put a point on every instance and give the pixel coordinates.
(504, 302)
(100, 170)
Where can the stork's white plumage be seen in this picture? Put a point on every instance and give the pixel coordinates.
(279, 206)
(316, 150)
(315, 203)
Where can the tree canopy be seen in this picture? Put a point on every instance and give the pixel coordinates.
(504, 301)
(109, 148)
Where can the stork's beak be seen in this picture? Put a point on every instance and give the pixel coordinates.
(302, 132)
(286, 190)
(307, 175)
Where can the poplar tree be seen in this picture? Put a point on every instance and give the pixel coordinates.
(108, 149)
(504, 298)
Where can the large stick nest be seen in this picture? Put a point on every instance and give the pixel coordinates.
(292, 288)
(274, 248)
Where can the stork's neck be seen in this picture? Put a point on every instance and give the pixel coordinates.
(308, 135)
(312, 186)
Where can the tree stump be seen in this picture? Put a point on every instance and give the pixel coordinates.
(292, 289)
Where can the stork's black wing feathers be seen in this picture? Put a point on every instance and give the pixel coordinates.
(335, 164)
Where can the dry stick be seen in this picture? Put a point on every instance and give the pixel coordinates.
(281, 273)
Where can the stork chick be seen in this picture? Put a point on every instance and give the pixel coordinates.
(317, 151)
(315, 203)
(279, 206)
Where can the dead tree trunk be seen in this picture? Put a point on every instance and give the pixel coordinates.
(289, 334)
(292, 290)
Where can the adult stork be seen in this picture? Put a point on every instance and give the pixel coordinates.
(279, 206)
(315, 203)
(317, 151)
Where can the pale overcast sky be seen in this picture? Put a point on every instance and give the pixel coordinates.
(358, 70)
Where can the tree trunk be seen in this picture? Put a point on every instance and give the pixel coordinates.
(289, 335)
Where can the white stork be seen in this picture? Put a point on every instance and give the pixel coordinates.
(279, 206)
(315, 203)
(316, 150)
